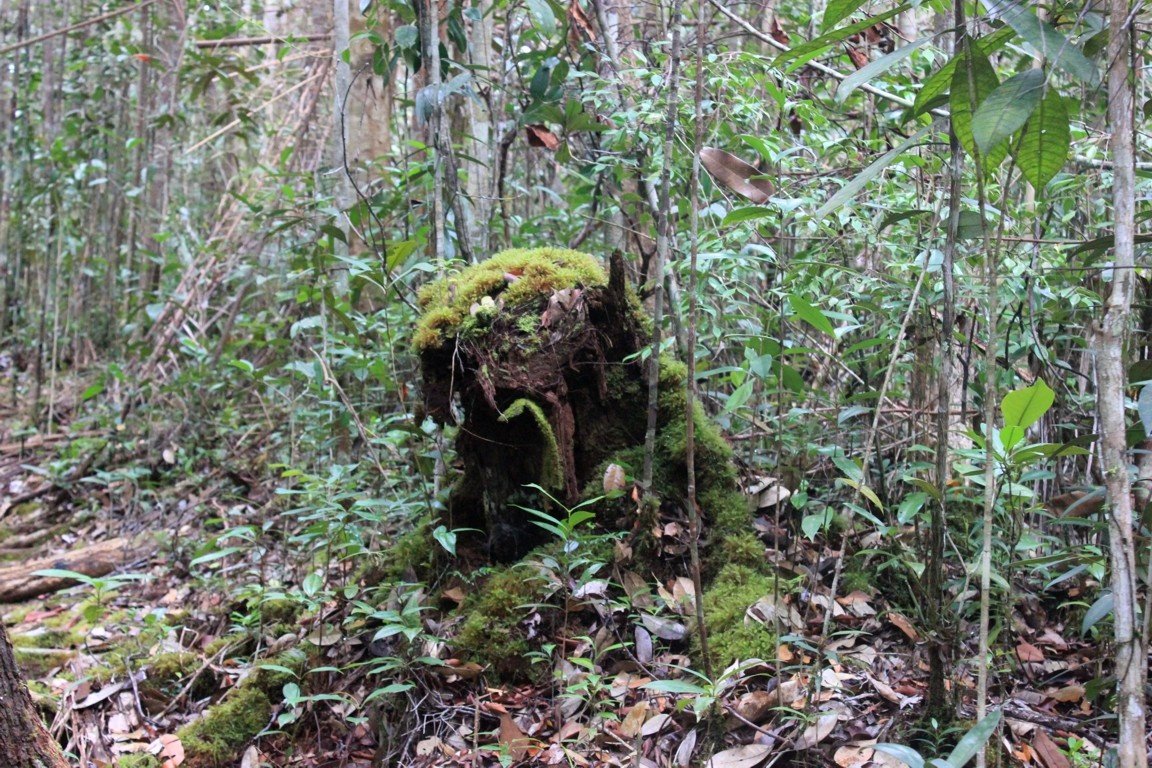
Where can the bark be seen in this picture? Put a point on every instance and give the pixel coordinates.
(19, 582)
(24, 741)
(1110, 397)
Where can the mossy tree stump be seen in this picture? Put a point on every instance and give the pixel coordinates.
(527, 354)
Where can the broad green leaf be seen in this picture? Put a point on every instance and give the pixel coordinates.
(852, 188)
(940, 82)
(1024, 407)
(675, 686)
(1049, 43)
(972, 82)
(876, 68)
(906, 755)
(973, 741)
(446, 539)
(813, 524)
(542, 14)
(810, 314)
(60, 573)
(837, 11)
(1144, 407)
(1099, 610)
(747, 213)
(1044, 143)
(1007, 109)
(739, 396)
(805, 52)
(407, 36)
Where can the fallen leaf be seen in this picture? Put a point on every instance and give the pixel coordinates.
(580, 19)
(683, 758)
(852, 755)
(756, 706)
(901, 622)
(1027, 652)
(1068, 693)
(655, 724)
(747, 756)
(512, 738)
(817, 732)
(1047, 753)
(455, 594)
(885, 691)
(665, 629)
(634, 720)
(614, 478)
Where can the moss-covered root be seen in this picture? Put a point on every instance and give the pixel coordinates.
(219, 737)
(732, 636)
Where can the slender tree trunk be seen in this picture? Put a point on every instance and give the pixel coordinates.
(24, 741)
(1110, 389)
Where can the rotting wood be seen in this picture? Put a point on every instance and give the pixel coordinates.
(19, 582)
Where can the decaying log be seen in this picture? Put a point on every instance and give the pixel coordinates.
(19, 582)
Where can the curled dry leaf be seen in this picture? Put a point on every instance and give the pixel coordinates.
(539, 136)
(580, 20)
(854, 754)
(735, 174)
(614, 478)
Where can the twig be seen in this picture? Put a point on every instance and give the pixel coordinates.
(81, 25)
(238, 42)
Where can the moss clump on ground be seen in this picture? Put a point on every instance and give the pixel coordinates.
(270, 679)
(220, 736)
(492, 633)
(168, 673)
(726, 601)
(138, 760)
(516, 276)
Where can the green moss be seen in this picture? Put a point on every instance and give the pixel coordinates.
(491, 633)
(726, 601)
(138, 760)
(292, 662)
(168, 673)
(553, 473)
(517, 277)
(220, 736)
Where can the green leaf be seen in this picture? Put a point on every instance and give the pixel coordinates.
(217, 555)
(1007, 109)
(747, 213)
(805, 52)
(906, 755)
(972, 82)
(939, 82)
(1100, 244)
(973, 741)
(1049, 43)
(446, 539)
(739, 396)
(1099, 610)
(813, 524)
(810, 314)
(837, 11)
(1045, 141)
(852, 188)
(876, 68)
(542, 13)
(1144, 407)
(1024, 407)
(675, 686)
(407, 36)
(312, 585)
(60, 573)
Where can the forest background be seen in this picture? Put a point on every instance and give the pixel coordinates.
(898, 247)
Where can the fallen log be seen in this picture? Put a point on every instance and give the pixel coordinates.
(20, 582)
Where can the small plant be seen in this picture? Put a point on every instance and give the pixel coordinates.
(971, 743)
(103, 588)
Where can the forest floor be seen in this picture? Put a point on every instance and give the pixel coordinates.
(159, 632)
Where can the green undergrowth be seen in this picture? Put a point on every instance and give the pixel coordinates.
(221, 735)
(515, 276)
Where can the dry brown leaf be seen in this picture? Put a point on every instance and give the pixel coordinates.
(655, 724)
(756, 706)
(634, 720)
(777, 33)
(614, 478)
(854, 754)
(902, 622)
(1068, 693)
(885, 691)
(580, 20)
(818, 731)
(735, 174)
(169, 750)
(1029, 653)
(455, 594)
(747, 756)
(683, 757)
(1047, 753)
(512, 738)
(539, 136)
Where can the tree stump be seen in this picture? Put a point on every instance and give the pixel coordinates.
(527, 354)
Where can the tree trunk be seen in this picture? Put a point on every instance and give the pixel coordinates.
(1110, 397)
(24, 741)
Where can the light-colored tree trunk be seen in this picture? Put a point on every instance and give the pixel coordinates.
(1110, 395)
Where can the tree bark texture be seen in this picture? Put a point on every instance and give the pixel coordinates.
(24, 741)
(1110, 397)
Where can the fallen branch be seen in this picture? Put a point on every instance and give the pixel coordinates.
(65, 30)
(19, 582)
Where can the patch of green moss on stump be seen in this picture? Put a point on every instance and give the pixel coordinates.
(732, 636)
(493, 634)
